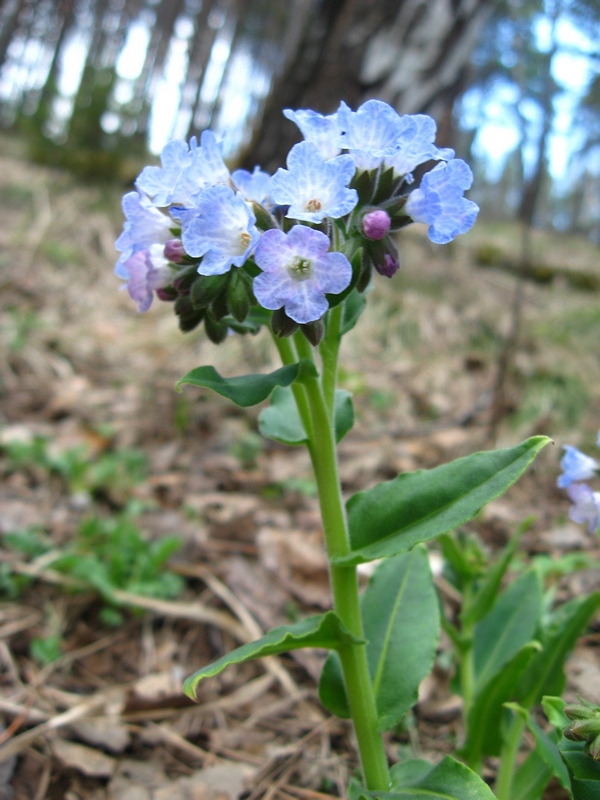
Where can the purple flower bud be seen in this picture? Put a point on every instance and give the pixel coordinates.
(174, 251)
(376, 224)
(389, 267)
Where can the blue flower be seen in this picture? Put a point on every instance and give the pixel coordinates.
(322, 131)
(145, 271)
(298, 271)
(586, 505)
(417, 146)
(576, 466)
(373, 133)
(220, 228)
(144, 227)
(312, 187)
(252, 185)
(439, 201)
(184, 171)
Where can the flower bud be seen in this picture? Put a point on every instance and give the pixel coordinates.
(376, 224)
(585, 726)
(389, 267)
(174, 251)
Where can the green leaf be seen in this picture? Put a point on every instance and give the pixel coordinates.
(554, 710)
(281, 420)
(409, 772)
(324, 631)
(248, 390)
(401, 624)
(417, 506)
(530, 778)
(583, 770)
(354, 306)
(449, 780)
(547, 749)
(511, 624)
(484, 722)
(545, 674)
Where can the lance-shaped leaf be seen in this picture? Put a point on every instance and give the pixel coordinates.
(248, 390)
(546, 747)
(417, 506)
(449, 780)
(484, 721)
(545, 673)
(530, 778)
(584, 772)
(281, 420)
(511, 623)
(401, 624)
(324, 631)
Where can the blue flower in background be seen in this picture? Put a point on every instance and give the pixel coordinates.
(298, 271)
(322, 131)
(184, 171)
(586, 505)
(312, 187)
(417, 146)
(220, 228)
(576, 466)
(439, 201)
(145, 271)
(254, 185)
(144, 227)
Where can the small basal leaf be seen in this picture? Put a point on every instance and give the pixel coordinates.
(248, 390)
(325, 631)
(332, 692)
(417, 506)
(343, 412)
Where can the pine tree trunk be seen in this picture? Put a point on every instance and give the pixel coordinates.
(412, 54)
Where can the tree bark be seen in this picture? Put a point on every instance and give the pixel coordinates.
(412, 54)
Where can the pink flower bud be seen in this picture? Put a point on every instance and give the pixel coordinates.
(389, 267)
(174, 251)
(376, 224)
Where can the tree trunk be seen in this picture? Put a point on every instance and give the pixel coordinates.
(410, 53)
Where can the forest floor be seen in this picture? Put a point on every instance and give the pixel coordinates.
(101, 459)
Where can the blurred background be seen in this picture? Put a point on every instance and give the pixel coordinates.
(514, 85)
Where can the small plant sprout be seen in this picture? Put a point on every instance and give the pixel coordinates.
(292, 255)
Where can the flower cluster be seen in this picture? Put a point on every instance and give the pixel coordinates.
(576, 467)
(228, 248)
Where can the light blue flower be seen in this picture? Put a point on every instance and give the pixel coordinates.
(220, 228)
(145, 271)
(586, 505)
(184, 172)
(373, 133)
(298, 271)
(322, 131)
(417, 146)
(312, 187)
(144, 226)
(439, 201)
(252, 185)
(576, 466)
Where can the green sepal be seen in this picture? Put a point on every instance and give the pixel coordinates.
(252, 324)
(384, 185)
(206, 288)
(401, 624)
(417, 506)
(484, 721)
(510, 625)
(215, 329)
(281, 420)
(448, 780)
(353, 307)
(248, 390)
(239, 293)
(545, 672)
(323, 631)
(546, 748)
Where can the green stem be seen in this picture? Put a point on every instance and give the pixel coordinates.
(330, 347)
(344, 584)
(288, 356)
(508, 758)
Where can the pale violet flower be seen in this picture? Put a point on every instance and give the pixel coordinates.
(586, 505)
(184, 171)
(312, 187)
(375, 224)
(439, 201)
(145, 271)
(322, 131)
(144, 226)
(373, 133)
(254, 185)
(576, 466)
(220, 227)
(298, 271)
(417, 146)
